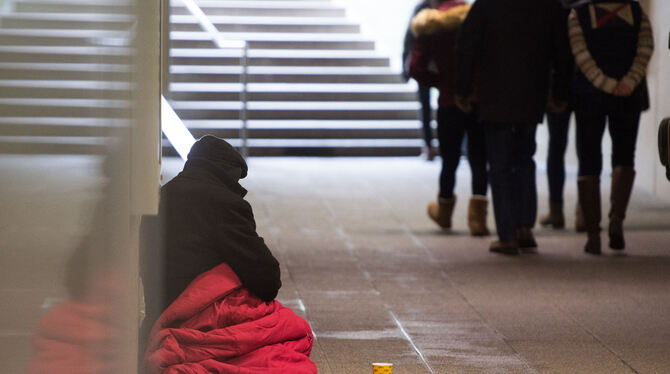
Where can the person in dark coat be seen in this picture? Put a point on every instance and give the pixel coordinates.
(433, 65)
(512, 46)
(423, 92)
(612, 43)
(203, 221)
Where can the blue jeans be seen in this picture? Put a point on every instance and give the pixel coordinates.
(510, 150)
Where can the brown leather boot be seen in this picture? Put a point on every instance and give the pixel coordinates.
(441, 211)
(555, 217)
(580, 226)
(525, 238)
(589, 197)
(622, 185)
(510, 248)
(477, 215)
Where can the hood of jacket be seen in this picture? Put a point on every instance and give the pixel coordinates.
(449, 16)
(220, 159)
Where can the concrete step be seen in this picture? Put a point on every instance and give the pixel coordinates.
(64, 71)
(284, 74)
(267, 24)
(324, 147)
(292, 92)
(64, 89)
(258, 9)
(47, 37)
(61, 54)
(269, 57)
(297, 110)
(53, 145)
(310, 133)
(67, 21)
(58, 126)
(203, 40)
(50, 107)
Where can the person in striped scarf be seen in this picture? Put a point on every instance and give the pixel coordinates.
(612, 43)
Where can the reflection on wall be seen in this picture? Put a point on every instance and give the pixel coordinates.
(68, 113)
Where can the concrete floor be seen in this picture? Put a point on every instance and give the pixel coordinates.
(374, 277)
(378, 282)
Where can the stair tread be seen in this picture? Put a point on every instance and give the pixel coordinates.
(265, 20)
(293, 88)
(305, 124)
(67, 84)
(272, 37)
(283, 70)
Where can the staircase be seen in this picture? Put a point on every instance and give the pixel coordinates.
(315, 86)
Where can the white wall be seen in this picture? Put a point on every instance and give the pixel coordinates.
(651, 176)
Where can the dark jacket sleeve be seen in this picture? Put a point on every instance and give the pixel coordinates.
(468, 44)
(563, 63)
(246, 253)
(420, 65)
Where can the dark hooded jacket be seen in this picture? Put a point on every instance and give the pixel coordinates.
(204, 221)
(433, 57)
(512, 45)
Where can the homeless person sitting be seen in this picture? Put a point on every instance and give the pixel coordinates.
(210, 280)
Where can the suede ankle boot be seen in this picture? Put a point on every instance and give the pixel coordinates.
(555, 217)
(477, 215)
(622, 186)
(589, 198)
(441, 211)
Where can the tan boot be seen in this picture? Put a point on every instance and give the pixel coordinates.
(555, 217)
(580, 226)
(477, 215)
(622, 185)
(589, 197)
(441, 211)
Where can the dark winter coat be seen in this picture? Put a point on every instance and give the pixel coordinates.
(433, 57)
(512, 45)
(408, 45)
(204, 221)
(612, 41)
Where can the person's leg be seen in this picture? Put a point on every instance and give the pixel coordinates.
(623, 126)
(426, 115)
(499, 148)
(477, 210)
(558, 124)
(591, 122)
(450, 129)
(525, 188)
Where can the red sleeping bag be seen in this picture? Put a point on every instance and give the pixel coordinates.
(216, 326)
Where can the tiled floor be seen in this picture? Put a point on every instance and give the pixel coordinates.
(375, 278)
(378, 282)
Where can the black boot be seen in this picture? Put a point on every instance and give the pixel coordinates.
(589, 199)
(622, 185)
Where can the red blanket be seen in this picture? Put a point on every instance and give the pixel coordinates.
(216, 326)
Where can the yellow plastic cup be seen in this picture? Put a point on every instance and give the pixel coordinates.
(382, 368)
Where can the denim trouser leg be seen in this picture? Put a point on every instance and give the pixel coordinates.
(510, 149)
(559, 124)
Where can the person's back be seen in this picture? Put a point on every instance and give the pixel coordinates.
(512, 44)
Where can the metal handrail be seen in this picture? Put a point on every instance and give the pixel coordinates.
(223, 43)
